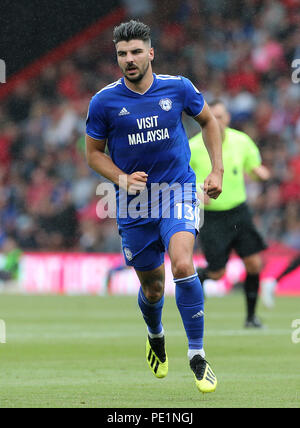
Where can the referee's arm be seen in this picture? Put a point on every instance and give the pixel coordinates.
(260, 173)
(253, 162)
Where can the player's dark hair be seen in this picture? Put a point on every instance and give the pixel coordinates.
(132, 30)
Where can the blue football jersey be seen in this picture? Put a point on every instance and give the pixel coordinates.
(144, 132)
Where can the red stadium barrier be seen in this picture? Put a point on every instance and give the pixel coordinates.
(98, 274)
(62, 51)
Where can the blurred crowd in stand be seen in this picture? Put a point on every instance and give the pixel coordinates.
(239, 51)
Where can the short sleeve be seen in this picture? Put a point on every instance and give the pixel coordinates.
(96, 123)
(252, 155)
(194, 101)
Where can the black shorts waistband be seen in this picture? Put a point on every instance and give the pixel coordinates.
(242, 207)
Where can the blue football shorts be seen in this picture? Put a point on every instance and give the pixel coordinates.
(144, 243)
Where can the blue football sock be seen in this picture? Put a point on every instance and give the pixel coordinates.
(152, 312)
(190, 302)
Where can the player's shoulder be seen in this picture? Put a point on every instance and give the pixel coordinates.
(169, 80)
(167, 77)
(107, 91)
(178, 83)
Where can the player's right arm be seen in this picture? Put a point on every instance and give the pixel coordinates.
(97, 125)
(100, 162)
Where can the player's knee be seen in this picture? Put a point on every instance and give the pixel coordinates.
(153, 296)
(154, 292)
(253, 264)
(182, 269)
(217, 275)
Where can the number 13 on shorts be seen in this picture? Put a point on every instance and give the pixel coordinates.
(190, 212)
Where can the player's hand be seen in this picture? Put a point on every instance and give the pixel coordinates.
(202, 196)
(213, 185)
(136, 182)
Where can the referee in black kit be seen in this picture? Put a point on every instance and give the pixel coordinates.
(228, 223)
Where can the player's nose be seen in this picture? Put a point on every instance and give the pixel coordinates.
(129, 58)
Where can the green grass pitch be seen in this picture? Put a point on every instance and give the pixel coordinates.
(89, 352)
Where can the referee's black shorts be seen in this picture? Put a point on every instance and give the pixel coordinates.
(224, 231)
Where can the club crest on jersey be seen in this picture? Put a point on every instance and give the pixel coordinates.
(128, 254)
(166, 104)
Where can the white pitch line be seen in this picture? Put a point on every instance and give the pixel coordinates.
(26, 336)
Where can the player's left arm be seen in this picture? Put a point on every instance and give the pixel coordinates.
(213, 143)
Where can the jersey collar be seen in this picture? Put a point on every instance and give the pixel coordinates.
(138, 93)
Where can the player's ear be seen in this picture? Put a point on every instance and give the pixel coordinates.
(151, 54)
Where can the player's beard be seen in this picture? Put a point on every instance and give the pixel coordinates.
(140, 76)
